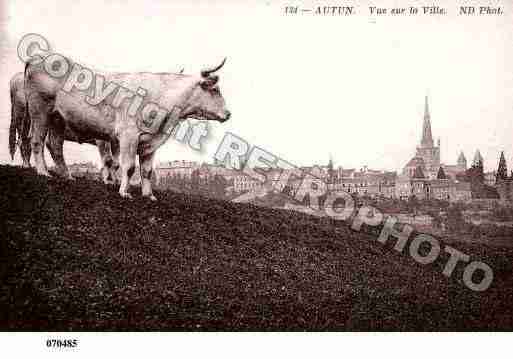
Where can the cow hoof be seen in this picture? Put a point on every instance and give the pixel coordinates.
(46, 174)
(126, 195)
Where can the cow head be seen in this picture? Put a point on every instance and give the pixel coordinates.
(205, 101)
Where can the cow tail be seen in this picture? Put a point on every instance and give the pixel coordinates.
(12, 127)
(26, 116)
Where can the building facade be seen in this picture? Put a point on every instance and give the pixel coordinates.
(85, 169)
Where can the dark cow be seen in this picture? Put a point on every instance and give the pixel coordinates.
(19, 128)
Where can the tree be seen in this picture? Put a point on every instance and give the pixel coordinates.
(455, 220)
(441, 174)
(502, 170)
(218, 186)
(436, 218)
(476, 173)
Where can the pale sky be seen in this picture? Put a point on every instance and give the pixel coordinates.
(301, 87)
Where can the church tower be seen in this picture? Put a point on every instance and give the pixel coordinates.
(478, 159)
(462, 161)
(330, 171)
(427, 149)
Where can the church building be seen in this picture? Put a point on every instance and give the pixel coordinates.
(425, 177)
(427, 156)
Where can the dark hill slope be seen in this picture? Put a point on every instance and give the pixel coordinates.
(76, 256)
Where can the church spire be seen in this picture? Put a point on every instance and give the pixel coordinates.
(426, 107)
(427, 136)
(462, 160)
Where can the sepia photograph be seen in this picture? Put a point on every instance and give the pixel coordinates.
(254, 166)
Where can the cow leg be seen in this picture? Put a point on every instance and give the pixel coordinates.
(38, 112)
(104, 149)
(146, 167)
(55, 143)
(114, 170)
(23, 122)
(109, 154)
(26, 151)
(128, 150)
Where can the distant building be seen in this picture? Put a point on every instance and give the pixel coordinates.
(172, 168)
(505, 190)
(274, 177)
(365, 182)
(403, 187)
(461, 192)
(425, 189)
(412, 165)
(452, 171)
(490, 178)
(84, 169)
(503, 182)
(214, 170)
(407, 187)
(449, 190)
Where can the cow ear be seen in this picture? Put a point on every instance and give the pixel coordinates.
(213, 79)
(204, 84)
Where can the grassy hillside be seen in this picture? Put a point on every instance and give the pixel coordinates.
(76, 256)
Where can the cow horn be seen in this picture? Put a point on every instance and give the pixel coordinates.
(207, 72)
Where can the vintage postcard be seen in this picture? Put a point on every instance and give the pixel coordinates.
(235, 166)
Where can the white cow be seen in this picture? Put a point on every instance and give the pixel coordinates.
(95, 106)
